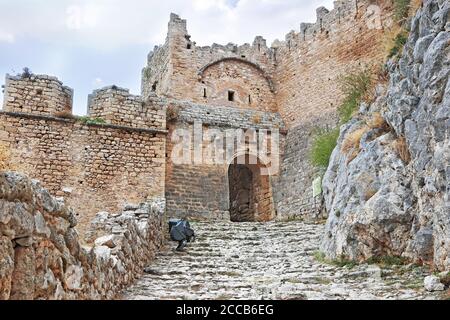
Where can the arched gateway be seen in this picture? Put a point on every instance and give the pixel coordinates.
(250, 191)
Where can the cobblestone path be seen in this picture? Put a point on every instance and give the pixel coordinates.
(267, 261)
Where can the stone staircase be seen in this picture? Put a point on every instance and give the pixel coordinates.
(266, 261)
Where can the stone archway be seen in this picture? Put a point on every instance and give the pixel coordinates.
(250, 192)
(240, 179)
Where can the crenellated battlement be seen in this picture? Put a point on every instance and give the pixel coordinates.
(117, 106)
(331, 23)
(37, 94)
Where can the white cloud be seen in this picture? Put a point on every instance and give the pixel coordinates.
(103, 24)
(81, 17)
(6, 37)
(97, 83)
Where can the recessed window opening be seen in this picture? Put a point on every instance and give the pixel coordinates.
(231, 95)
(249, 99)
(189, 46)
(154, 86)
(204, 93)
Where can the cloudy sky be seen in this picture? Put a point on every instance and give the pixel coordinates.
(89, 44)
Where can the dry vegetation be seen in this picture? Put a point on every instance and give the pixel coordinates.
(401, 147)
(257, 119)
(351, 144)
(376, 121)
(173, 113)
(66, 114)
(396, 37)
(393, 41)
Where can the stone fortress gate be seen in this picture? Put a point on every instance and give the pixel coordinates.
(180, 138)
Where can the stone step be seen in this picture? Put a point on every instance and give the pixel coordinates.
(259, 261)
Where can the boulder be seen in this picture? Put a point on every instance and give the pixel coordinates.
(433, 283)
(24, 273)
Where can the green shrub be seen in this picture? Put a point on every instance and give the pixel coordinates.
(388, 261)
(399, 43)
(324, 143)
(89, 120)
(355, 87)
(401, 10)
(341, 262)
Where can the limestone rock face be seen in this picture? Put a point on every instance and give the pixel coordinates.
(393, 197)
(6, 267)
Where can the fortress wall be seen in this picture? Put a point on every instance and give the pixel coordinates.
(311, 62)
(117, 106)
(192, 69)
(37, 94)
(94, 167)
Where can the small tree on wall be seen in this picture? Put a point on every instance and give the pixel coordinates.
(26, 73)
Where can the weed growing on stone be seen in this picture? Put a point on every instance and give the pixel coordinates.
(26, 74)
(90, 121)
(341, 263)
(398, 43)
(173, 113)
(388, 261)
(355, 87)
(66, 114)
(401, 10)
(325, 141)
(401, 146)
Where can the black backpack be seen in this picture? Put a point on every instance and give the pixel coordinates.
(181, 230)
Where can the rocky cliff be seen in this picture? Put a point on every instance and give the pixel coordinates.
(387, 187)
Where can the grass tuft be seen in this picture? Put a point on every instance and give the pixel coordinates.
(401, 10)
(355, 86)
(388, 261)
(352, 140)
(90, 121)
(341, 263)
(397, 44)
(401, 146)
(324, 143)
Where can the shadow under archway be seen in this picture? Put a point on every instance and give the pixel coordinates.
(250, 191)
